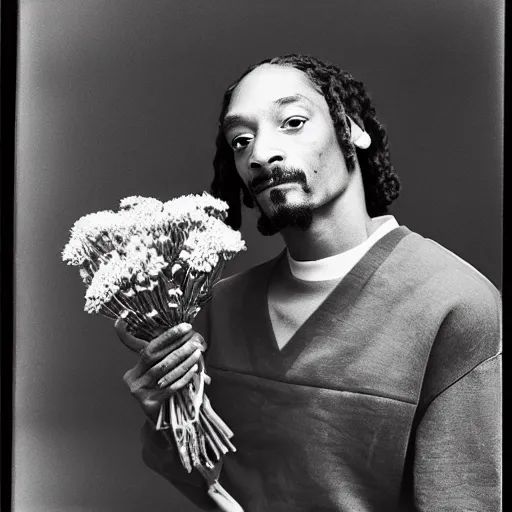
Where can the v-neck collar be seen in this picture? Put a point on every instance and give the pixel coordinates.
(267, 359)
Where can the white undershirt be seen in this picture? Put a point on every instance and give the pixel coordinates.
(339, 265)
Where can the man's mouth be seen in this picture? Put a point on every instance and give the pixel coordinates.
(264, 185)
(279, 177)
(258, 189)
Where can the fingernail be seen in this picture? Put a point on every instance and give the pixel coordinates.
(197, 352)
(161, 383)
(186, 326)
(194, 368)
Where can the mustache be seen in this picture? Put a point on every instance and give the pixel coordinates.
(279, 176)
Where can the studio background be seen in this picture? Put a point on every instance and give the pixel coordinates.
(121, 97)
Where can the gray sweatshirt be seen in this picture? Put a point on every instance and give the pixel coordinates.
(387, 398)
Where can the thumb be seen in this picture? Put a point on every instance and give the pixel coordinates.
(129, 340)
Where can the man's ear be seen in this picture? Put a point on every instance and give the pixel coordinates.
(358, 137)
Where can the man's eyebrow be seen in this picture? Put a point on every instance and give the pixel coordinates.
(232, 120)
(295, 98)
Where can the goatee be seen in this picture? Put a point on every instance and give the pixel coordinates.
(285, 216)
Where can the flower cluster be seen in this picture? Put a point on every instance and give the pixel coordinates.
(135, 260)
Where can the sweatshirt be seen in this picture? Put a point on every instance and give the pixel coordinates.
(387, 397)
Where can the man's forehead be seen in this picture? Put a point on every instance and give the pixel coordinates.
(266, 85)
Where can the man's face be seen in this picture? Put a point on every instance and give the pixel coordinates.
(285, 146)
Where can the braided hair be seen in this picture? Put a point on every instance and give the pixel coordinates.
(344, 95)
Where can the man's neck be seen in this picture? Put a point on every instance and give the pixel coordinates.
(337, 227)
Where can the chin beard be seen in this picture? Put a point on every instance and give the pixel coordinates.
(286, 216)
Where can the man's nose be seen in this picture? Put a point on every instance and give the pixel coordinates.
(264, 153)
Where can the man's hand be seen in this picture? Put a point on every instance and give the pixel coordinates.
(162, 369)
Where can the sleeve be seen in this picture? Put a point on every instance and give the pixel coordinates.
(457, 464)
(160, 456)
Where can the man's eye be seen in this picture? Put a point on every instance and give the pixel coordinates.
(294, 123)
(240, 142)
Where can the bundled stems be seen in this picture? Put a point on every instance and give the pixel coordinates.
(195, 430)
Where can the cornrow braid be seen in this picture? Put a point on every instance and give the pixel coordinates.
(344, 96)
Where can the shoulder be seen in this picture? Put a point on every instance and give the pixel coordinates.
(462, 272)
(243, 281)
(446, 278)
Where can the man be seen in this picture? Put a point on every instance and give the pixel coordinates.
(360, 368)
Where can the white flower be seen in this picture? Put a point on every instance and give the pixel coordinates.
(196, 207)
(204, 247)
(105, 284)
(213, 205)
(140, 213)
(139, 202)
(96, 235)
(84, 234)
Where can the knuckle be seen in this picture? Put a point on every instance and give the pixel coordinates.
(159, 368)
(163, 366)
(174, 332)
(165, 336)
(183, 351)
(145, 357)
(134, 389)
(172, 360)
(145, 381)
(152, 373)
(127, 377)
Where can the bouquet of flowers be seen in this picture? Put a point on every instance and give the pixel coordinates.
(153, 265)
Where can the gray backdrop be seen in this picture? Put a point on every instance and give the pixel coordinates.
(121, 97)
